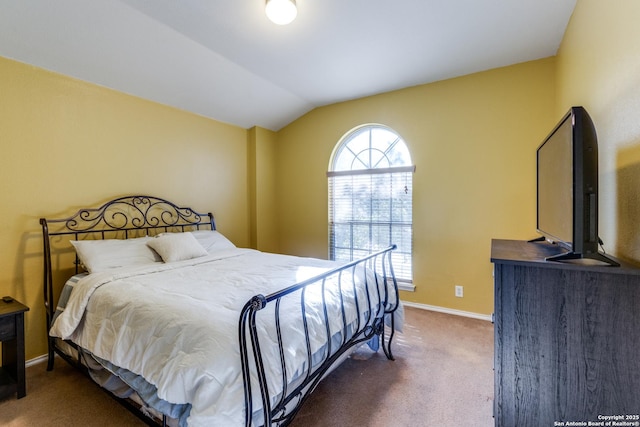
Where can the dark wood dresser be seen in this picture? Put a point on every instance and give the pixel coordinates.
(567, 339)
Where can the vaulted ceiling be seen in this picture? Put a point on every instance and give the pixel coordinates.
(225, 60)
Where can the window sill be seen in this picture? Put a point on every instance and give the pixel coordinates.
(405, 286)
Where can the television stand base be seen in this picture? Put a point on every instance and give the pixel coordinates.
(576, 256)
(537, 239)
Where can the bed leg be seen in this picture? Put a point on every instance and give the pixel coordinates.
(51, 356)
(386, 345)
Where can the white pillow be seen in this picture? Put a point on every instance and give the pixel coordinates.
(176, 246)
(212, 240)
(101, 255)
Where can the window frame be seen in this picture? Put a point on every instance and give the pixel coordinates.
(405, 249)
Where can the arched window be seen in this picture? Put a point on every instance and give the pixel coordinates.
(370, 197)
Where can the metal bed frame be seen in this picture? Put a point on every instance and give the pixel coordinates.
(137, 216)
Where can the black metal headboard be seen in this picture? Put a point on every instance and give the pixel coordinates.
(122, 218)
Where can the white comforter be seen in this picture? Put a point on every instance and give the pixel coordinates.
(177, 324)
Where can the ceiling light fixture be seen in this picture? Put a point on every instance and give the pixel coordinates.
(281, 12)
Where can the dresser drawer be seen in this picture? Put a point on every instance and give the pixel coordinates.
(7, 328)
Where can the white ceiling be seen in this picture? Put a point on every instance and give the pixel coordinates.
(223, 59)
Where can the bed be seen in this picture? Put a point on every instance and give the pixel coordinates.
(185, 328)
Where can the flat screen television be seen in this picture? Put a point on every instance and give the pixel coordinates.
(567, 187)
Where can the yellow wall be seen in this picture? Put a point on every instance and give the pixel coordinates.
(262, 169)
(473, 141)
(599, 68)
(66, 144)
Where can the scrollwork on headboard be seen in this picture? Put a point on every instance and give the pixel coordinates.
(127, 214)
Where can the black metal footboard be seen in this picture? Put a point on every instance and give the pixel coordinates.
(367, 293)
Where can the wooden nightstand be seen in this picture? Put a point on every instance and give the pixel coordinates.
(12, 375)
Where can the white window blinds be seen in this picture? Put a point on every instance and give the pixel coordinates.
(370, 209)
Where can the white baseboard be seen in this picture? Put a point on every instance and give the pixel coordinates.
(36, 360)
(448, 310)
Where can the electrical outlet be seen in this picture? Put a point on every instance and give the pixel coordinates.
(459, 291)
